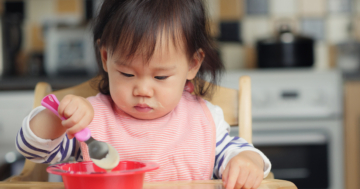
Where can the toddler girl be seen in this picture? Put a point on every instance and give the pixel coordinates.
(148, 52)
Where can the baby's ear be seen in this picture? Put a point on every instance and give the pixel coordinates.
(195, 64)
(104, 57)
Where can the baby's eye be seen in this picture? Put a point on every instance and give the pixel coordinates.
(126, 75)
(161, 77)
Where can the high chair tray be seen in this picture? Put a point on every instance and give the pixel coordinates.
(210, 184)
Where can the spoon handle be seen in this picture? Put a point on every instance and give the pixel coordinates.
(52, 103)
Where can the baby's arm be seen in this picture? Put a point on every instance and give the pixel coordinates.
(42, 150)
(42, 137)
(46, 125)
(231, 148)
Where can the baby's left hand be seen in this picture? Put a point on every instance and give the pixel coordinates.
(245, 170)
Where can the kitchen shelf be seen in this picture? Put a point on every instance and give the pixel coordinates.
(28, 82)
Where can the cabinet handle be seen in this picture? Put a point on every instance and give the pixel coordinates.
(1, 128)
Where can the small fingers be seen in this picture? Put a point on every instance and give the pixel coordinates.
(257, 182)
(76, 128)
(232, 181)
(250, 180)
(82, 121)
(78, 114)
(244, 172)
(242, 178)
(64, 106)
(225, 174)
(74, 119)
(70, 136)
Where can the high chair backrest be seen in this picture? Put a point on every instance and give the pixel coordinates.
(236, 105)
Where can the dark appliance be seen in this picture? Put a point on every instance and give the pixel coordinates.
(285, 50)
(11, 164)
(11, 35)
(230, 31)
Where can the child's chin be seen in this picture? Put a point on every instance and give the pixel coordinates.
(147, 116)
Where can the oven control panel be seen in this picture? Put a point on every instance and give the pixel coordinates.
(294, 93)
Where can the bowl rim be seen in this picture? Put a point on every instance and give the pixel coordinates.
(56, 169)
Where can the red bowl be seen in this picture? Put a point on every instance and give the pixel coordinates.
(128, 174)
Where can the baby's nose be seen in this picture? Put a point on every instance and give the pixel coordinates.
(143, 90)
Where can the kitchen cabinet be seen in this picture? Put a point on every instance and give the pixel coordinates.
(352, 134)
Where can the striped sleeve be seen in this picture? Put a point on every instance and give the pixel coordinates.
(41, 150)
(226, 146)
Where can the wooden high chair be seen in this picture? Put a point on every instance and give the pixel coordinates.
(235, 104)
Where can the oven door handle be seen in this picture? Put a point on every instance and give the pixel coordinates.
(289, 138)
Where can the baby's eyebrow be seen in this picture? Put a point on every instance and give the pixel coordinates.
(165, 68)
(121, 63)
(157, 68)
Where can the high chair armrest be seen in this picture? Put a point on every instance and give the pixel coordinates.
(269, 176)
(31, 172)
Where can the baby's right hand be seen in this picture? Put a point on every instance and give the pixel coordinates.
(78, 113)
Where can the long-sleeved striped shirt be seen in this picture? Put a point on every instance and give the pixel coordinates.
(60, 149)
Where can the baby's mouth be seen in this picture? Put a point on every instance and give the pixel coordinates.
(143, 107)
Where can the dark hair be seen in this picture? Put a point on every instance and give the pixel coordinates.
(130, 24)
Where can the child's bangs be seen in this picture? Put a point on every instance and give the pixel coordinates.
(144, 44)
(153, 29)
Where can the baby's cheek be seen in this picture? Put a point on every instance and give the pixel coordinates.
(121, 101)
(159, 105)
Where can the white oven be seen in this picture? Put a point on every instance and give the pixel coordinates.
(298, 124)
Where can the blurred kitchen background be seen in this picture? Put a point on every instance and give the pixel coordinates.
(303, 57)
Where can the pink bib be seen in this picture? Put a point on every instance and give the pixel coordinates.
(181, 142)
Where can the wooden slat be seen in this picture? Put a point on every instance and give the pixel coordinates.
(245, 116)
(227, 99)
(351, 135)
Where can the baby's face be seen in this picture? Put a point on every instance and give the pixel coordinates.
(149, 90)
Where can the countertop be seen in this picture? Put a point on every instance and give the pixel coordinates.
(351, 77)
(60, 82)
(29, 82)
